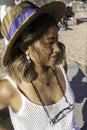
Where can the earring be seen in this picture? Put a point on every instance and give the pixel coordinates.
(27, 57)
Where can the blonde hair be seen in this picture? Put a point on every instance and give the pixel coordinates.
(20, 70)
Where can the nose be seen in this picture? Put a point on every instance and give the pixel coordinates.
(55, 48)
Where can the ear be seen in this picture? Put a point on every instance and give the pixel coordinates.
(29, 49)
(22, 48)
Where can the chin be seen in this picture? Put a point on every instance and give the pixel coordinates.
(53, 64)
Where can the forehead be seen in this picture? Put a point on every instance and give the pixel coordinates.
(51, 31)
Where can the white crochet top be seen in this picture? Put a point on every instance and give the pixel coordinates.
(33, 117)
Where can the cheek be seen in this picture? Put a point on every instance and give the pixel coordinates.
(47, 50)
(44, 54)
(43, 49)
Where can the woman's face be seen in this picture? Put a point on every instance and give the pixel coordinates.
(45, 50)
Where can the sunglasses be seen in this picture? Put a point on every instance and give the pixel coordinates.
(62, 114)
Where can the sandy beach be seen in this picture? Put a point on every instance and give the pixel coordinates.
(75, 41)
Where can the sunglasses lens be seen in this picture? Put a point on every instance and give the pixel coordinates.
(61, 114)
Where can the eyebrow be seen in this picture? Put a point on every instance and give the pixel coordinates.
(52, 38)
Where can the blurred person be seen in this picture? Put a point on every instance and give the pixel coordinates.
(5, 6)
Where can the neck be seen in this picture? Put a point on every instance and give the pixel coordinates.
(41, 70)
(44, 75)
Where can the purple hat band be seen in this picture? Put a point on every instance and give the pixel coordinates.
(19, 20)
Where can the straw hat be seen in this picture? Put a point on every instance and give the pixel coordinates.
(21, 15)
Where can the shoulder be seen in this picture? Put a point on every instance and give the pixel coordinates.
(61, 71)
(9, 96)
(60, 68)
(6, 89)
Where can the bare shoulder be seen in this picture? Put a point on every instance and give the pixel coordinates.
(6, 89)
(60, 68)
(9, 96)
(60, 71)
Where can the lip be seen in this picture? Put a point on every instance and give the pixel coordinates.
(54, 56)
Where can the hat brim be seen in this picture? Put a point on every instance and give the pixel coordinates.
(56, 9)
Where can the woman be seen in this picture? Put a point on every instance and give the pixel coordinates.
(36, 89)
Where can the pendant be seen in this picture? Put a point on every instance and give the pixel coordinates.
(51, 123)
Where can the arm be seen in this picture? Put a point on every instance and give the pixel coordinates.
(6, 93)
